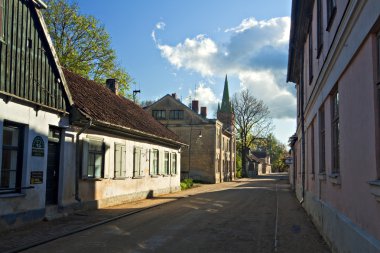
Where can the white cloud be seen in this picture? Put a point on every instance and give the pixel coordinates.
(206, 97)
(160, 25)
(256, 54)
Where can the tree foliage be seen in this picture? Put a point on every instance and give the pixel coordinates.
(252, 121)
(83, 45)
(276, 150)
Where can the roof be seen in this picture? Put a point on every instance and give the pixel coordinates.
(260, 154)
(185, 107)
(101, 105)
(300, 20)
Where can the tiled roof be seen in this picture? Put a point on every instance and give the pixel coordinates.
(259, 154)
(99, 103)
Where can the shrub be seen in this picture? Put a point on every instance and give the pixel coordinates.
(186, 183)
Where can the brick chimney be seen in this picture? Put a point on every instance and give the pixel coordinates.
(195, 106)
(204, 111)
(113, 85)
(174, 95)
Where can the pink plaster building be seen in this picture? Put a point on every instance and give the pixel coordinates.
(334, 60)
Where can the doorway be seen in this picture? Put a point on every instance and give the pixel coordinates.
(52, 172)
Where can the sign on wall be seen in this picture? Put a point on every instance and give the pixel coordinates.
(38, 146)
(36, 177)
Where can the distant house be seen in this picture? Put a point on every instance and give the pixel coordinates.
(33, 115)
(211, 156)
(334, 60)
(122, 152)
(258, 163)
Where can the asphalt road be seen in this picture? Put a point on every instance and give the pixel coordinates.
(260, 215)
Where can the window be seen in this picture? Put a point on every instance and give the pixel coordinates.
(166, 163)
(2, 19)
(174, 164)
(322, 162)
(312, 147)
(331, 10)
(159, 114)
(137, 162)
(310, 55)
(12, 158)
(120, 163)
(95, 166)
(319, 28)
(335, 131)
(176, 114)
(155, 162)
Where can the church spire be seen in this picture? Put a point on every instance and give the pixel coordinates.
(226, 104)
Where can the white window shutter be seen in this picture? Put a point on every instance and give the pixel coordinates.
(85, 145)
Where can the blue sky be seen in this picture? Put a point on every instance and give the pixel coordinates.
(188, 47)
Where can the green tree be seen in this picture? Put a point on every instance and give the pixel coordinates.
(252, 121)
(276, 150)
(83, 45)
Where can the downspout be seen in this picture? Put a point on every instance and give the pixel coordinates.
(77, 151)
(302, 129)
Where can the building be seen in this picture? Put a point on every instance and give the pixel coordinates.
(258, 163)
(67, 142)
(334, 61)
(211, 156)
(122, 153)
(33, 114)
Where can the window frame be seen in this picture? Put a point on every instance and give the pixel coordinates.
(159, 114)
(319, 28)
(19, 160)
(166, 163)
(176, 114)
(137, 172)
(173, 162)
(335, 132)
(330, 13)
(100, 152)
(322, 140)
(310, 54)
(122, 166)
(312, 147)
(155, 161)
(2, 19)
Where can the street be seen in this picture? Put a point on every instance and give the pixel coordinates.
(250, 215)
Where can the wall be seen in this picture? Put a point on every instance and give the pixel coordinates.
(28, 205)
(107, 191)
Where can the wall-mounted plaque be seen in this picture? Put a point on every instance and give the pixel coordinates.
(38, 146)
(36, 177)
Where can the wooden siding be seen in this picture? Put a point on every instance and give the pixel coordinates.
(27, 67)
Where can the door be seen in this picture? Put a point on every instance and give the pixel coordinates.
(52, 172)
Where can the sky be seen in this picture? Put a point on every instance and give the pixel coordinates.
(187, 47)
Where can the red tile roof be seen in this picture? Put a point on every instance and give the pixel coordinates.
(98, 102)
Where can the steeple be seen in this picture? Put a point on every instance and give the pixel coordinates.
(226, 104)
(225, 113)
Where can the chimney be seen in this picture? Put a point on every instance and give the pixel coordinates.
(174, 95)
(113, 85)
(195, 106)
(204, 111)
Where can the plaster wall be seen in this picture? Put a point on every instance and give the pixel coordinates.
(108, 190)
(18, 207)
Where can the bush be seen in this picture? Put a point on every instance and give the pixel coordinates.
(186, 183)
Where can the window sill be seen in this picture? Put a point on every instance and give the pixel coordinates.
(119, 178)
(92, 179)
(137, 177)
(166, 175)
(173, 175)
(11, 195)
(322, 176)
(335, 178)
(155, 176)
(375, 189)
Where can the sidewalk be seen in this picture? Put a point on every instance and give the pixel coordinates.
(24, 237)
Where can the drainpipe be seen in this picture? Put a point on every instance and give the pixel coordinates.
(302, 130)
(77, 151)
